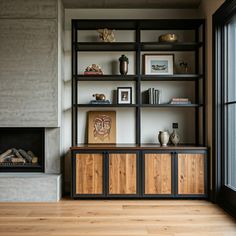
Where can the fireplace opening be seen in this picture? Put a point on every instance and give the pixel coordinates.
(22, 149)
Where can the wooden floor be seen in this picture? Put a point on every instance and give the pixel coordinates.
(90, 218)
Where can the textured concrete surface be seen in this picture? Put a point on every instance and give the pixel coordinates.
(32, 9)
(30, 187)
(29, 73)
(52, 151)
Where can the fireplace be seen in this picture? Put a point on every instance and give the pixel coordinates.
(22, 149)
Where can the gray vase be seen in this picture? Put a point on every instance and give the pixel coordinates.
(174, 137)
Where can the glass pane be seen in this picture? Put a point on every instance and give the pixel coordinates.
(231, 62)
(230, 146)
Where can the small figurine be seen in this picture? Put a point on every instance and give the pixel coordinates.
(93, 70)
(99, 96)
(184, 68)
(106, 35)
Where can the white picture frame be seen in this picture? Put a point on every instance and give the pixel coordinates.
(158, 64)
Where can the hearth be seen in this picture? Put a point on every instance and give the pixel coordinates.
(22, 149)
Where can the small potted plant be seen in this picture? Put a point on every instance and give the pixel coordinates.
(124, 61)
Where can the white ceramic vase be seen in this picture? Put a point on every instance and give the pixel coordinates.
(163, 138)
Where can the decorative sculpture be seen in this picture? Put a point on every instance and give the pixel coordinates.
(93, 70)
(106, 35)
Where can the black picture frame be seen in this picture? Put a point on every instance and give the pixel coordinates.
(124, 95)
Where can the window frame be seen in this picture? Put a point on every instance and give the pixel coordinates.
(221, 194)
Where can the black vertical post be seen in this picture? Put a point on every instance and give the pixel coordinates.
(197, 88)
(204, 82)
(74, 84)
(138, 79)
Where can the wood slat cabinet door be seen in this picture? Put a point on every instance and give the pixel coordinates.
(191, 173)
(122, 173)
(157, 173)
(89, 173)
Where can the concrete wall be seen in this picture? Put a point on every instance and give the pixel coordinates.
(207, 9)
(29, 58)
(31, 77)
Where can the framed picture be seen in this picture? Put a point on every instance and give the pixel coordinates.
(124, 95)
(101, 127)
(158, 64)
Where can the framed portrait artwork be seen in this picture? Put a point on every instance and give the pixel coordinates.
(158, 64)
(101, 127)
(124, 95)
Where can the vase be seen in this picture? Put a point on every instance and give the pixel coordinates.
(174, 137)
(123, 67)
(163, 138)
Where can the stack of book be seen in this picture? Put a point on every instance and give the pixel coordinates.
(99, 102)
(180, 101)
(152, 96)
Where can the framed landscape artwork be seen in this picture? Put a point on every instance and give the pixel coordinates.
(101, 127)
(158, 64)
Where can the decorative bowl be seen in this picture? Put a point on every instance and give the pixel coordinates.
(168, 38)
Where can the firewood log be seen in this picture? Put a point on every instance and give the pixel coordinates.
(25, 155)
(5, 154)
(18, 160)
(34, 158)
(9, 158)
(16, 153)
(31, 154)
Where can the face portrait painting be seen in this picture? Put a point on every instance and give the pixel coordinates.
(102, 127)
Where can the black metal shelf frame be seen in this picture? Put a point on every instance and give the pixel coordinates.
(175, 77)
(138, 78)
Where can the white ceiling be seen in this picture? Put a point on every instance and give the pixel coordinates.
(131, 4)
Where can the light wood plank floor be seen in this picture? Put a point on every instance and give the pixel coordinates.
(113, 218)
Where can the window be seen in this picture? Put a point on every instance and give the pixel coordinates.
(230, 103)
(224, 117)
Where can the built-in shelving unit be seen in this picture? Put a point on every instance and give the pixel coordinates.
(138, 168)
(139, 81)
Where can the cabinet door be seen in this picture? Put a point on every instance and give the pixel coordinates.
(89, 173)
(123, 173)
(191, 173)
(157, 173)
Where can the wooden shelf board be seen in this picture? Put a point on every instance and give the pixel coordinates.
(137, 147)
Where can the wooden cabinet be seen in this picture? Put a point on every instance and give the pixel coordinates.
(139, 173)
(122, 173)
(175, 174)
(157, 178)
(89, 173)
(104, 174)
(191, 173)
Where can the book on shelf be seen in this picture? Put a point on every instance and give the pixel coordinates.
(151, 96)
(180, 101)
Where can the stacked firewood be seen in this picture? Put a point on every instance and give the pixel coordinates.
(18, 156)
